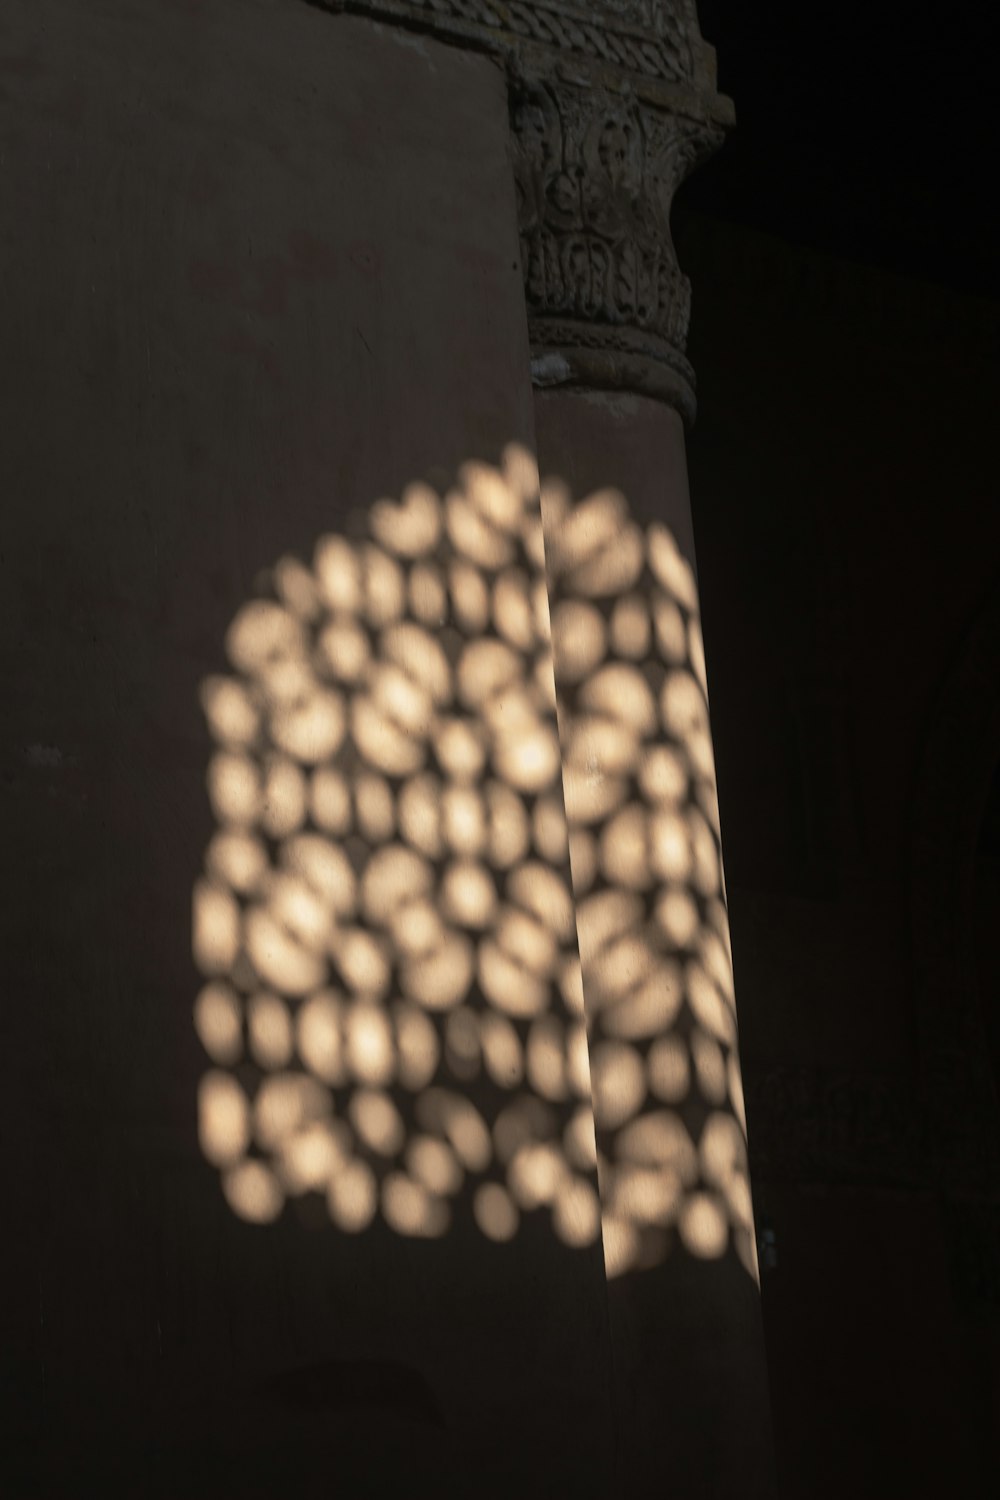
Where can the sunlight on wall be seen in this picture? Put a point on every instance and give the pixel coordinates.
(395, 954)
(639, 779)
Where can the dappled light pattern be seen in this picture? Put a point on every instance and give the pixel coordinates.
(391, 941)
(653, 932)
(393, 1004)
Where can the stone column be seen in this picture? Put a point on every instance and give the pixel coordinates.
(690, 1376)
(599, 149)
(611, 105)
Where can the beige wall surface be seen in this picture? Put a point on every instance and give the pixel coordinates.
(260, 269)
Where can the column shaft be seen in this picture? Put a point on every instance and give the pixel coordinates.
(690, 1376)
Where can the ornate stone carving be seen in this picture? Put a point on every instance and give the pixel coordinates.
(596, 172)
(611, 105)
(655, 39)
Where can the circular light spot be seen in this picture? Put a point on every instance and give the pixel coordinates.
(461, 1043)
(343, 650)
(439, 980)
(469, 597)
(709, 1067)
(508, 826)
(231, 715)
(621, 1245)
(312, 730)
(330, 801)
(216, 937)
(703, 1226)
(377, 1121)
(580, 1140)
(253, 1192)
(428, 599)
(223, 1118)
(352, 1197)
(412, 528)
(618, 1079)
(284, 801)
(535, 1175)
(362, 961)
(417, 928)
(502, 1052)
(546, 1056)
(460, 750)
(495, 1212)
(270, 1028)
(284, 1103)
(297, 588)
(624, 851)
(280, 960)
(549, 830)
(382, 585)
(418, 1047)
(579, 640)
(708, 1005)
(468, 894)
(376, 815)
(663, 775)
(677, 914)
(669, 1069)
(419, 815)
(433, 1163)
(631, 630)
(237, 859)
(410, 1209)
(576, 1214)
(463, 820)
(338, 571)
(319, 1037)
(370, 1050)
(234, 789)
(218, 1019)
(528, 758)
(310, 1157)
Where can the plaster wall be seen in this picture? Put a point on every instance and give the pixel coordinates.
(260, 268)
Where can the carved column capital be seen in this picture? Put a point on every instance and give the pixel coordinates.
(612, 103)
(596, 168)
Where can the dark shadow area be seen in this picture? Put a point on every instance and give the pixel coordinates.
(863, 132)
(844, 492)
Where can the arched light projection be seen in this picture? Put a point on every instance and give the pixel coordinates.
(388, 930)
